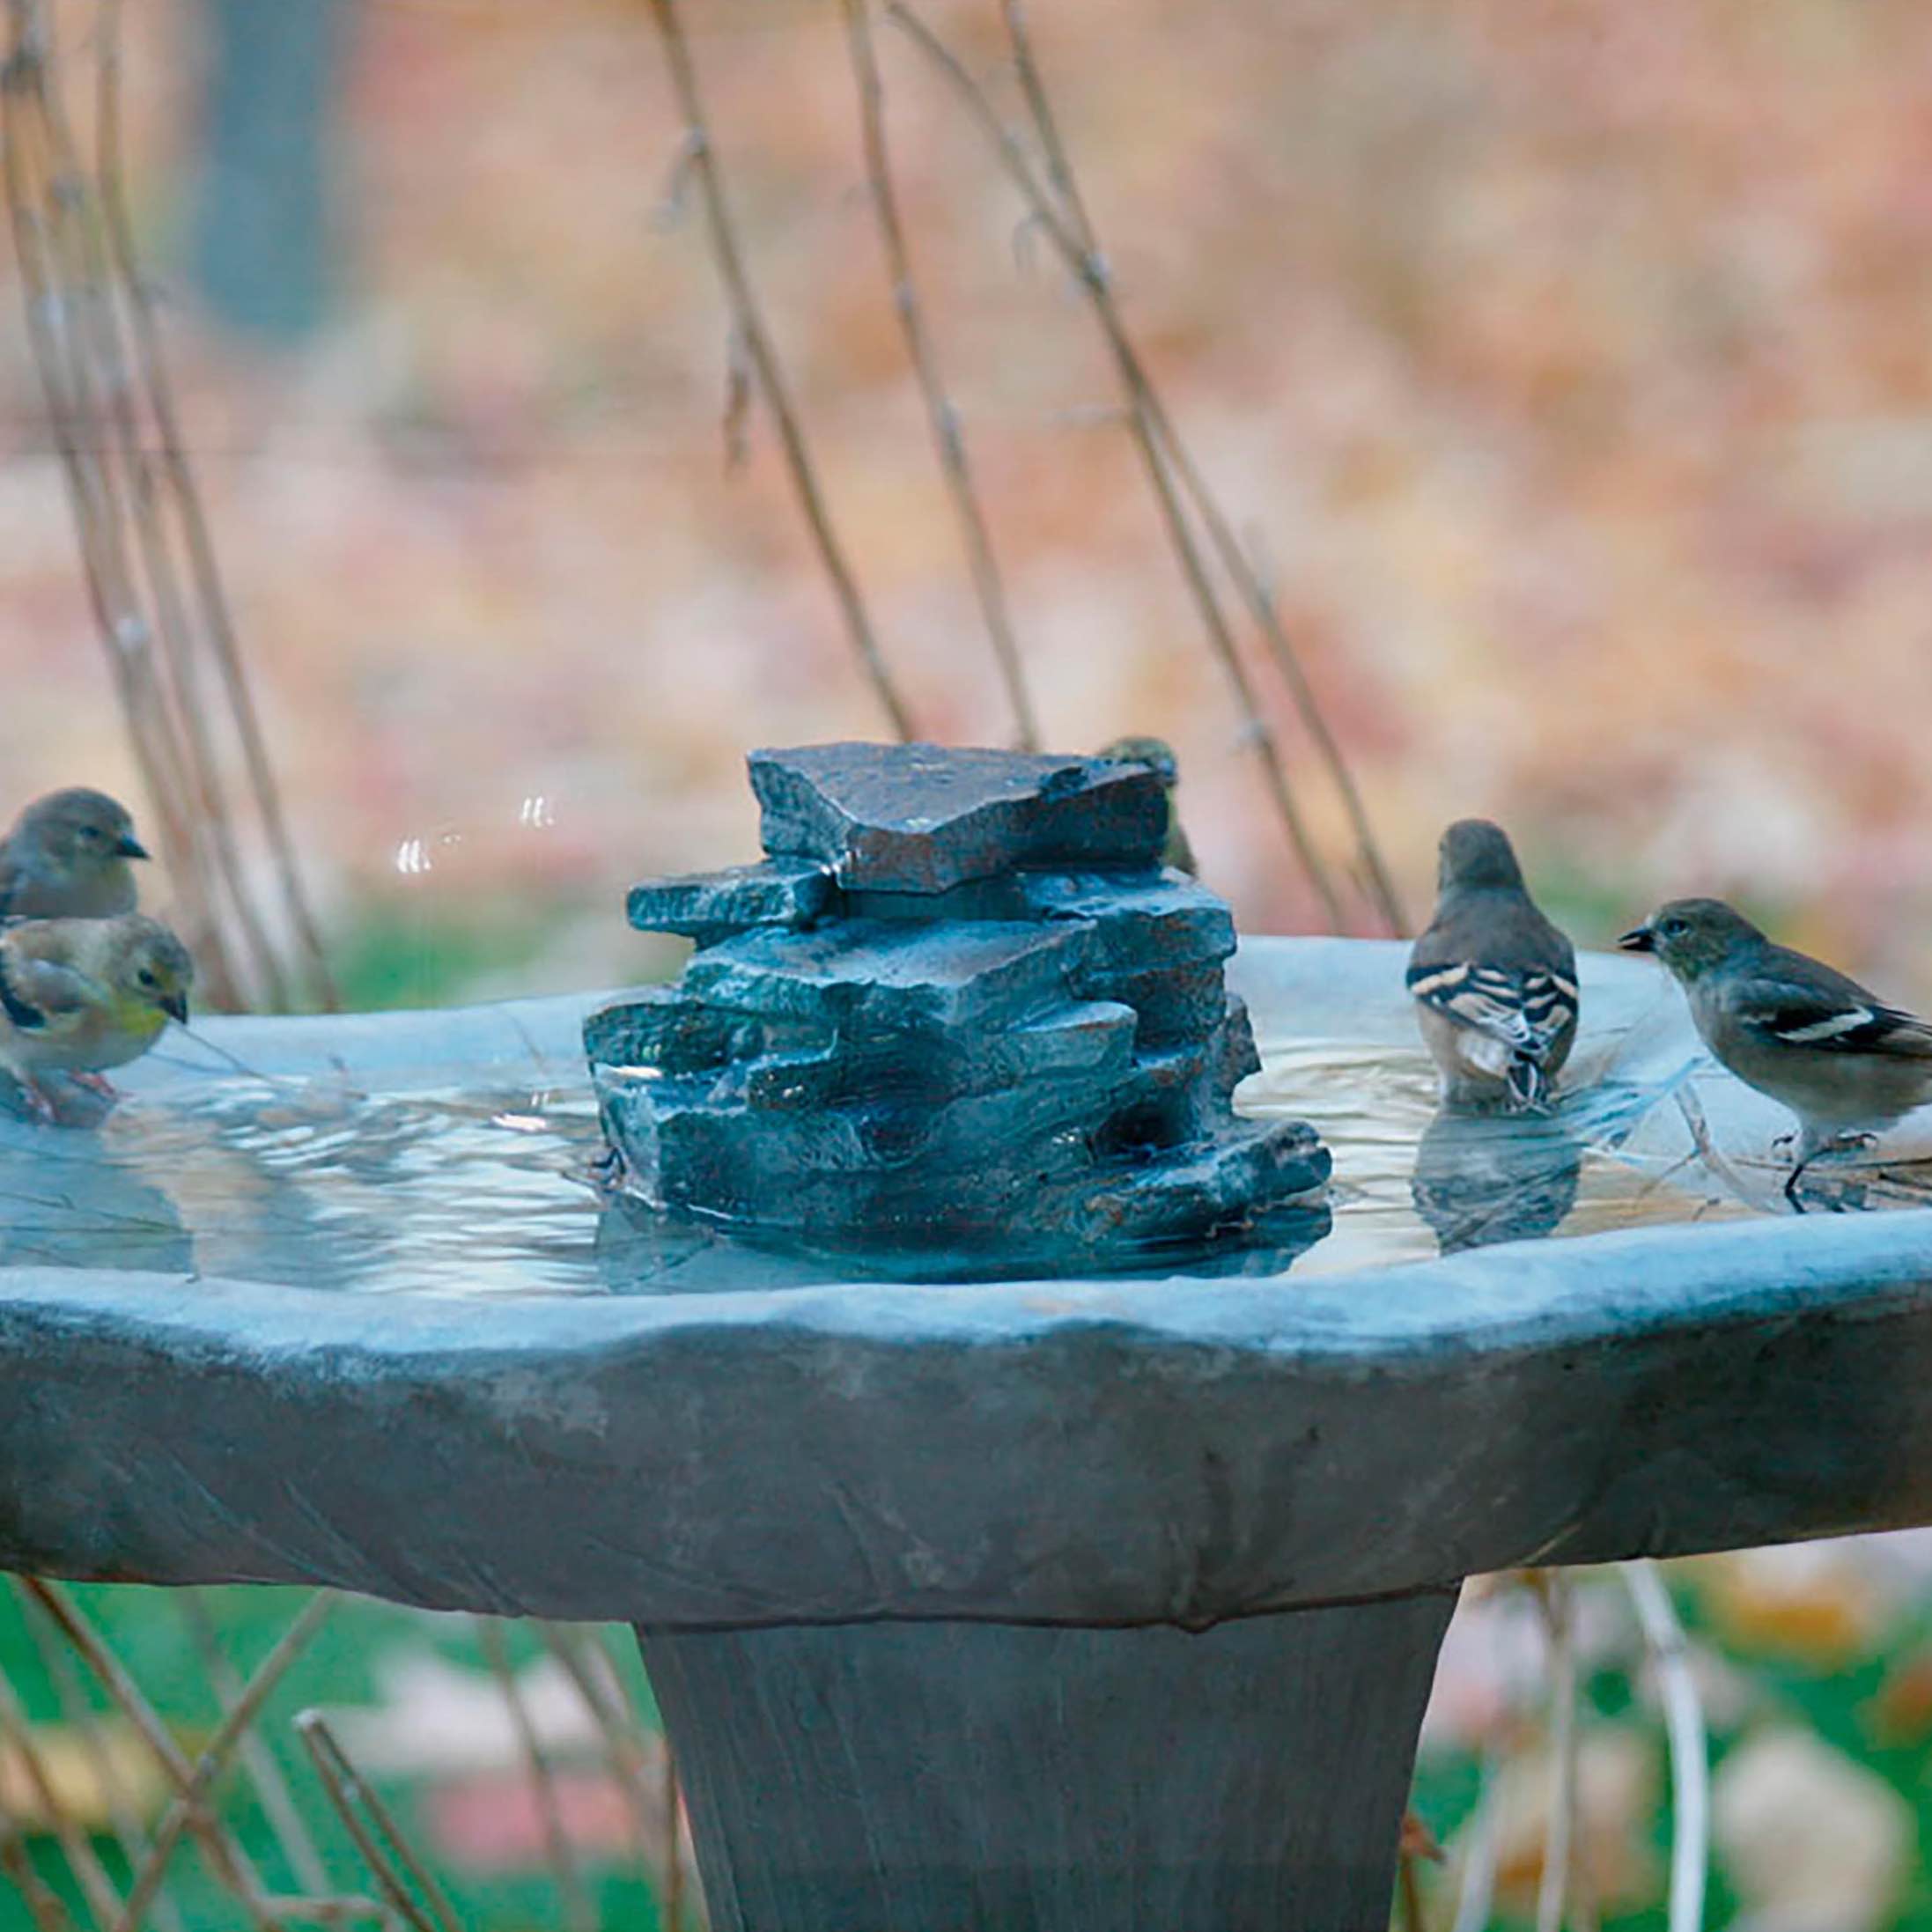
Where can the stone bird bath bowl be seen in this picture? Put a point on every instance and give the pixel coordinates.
(1077, 1604)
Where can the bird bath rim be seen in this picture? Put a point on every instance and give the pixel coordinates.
(1097, 1453)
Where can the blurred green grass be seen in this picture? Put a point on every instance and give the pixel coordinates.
(148, 1633)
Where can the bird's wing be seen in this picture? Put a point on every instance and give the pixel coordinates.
(1795, 1001)
(38, 993)
(1525, 1008)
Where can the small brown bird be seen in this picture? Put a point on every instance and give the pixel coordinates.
(79, 996)
(68, 857)
(1158, 756)
(1495, 983)
(1843, 1060)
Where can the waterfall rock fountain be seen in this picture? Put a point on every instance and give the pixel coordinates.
(960, 1006)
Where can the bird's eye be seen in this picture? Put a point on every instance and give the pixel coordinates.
(1674, 929)
(146, 978)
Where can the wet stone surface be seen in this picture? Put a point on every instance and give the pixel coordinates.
(961, 1006)
(924, 818)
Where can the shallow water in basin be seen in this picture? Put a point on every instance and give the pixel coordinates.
(357, 1158)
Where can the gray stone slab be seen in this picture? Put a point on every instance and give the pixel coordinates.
(1161, 924)
(924, 818)
(706, 906)
(888, 975)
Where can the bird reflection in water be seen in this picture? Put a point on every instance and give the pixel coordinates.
(1484, 1177)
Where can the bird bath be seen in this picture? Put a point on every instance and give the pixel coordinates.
(1081, 1604)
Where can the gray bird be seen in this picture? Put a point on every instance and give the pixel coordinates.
(68, 857)
(1493, 982)
(1844, 1062)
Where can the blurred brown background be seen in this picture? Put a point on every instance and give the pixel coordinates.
(1571, 366)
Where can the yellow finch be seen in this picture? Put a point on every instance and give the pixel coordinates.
(79, 996)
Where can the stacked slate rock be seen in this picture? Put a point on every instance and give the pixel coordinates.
(960, 1006)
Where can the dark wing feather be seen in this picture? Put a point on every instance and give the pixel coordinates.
(1495, 964)
(34, 990)
(1795, 1001)
(24, 1015)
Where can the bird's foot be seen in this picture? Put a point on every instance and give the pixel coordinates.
(38, 1104)
(1855, 1141)
(97, 1083)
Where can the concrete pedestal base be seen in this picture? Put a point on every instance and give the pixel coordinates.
(960, 1777)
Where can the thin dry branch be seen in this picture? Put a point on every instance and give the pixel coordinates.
(159, 386)
(143, 536)
(750, 324)
(103, 358)
(650, 1790)
(43, 1904)
(1554, 1593)
(214, 1759)
(1477, 1888)
(225, 1857)
(1689, 1748)
(1233, 558)
(346, 1791)
(579, 1912)
(103, 1900)
(264, 1772)
(84, 1720)
(46, 205)
(948, 438)
(1144, 420)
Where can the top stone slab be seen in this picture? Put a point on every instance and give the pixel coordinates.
(924, 818)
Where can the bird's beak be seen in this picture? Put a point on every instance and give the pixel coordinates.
(175, 1007)
(1640, 938)
(131, 847)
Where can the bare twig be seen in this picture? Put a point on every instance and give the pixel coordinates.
(1478, 1886)
(158, 383)
(51, 217)
(1690, 1750)
(143, 540)
(1264, 610)
(84, 1720)
(944, 419)
(765, 361)
(1144, 423)
(225, 1857)
(271, 1787)
(327, 1908)
(1234, 556)
(346, 1791)
(1554, 1593)
(214, 1758)
(92, 276)
(43, 1904)
(579, 1912)
(103, 1901)
(630, 1765)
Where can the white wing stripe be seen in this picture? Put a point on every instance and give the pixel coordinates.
(1831, 1027)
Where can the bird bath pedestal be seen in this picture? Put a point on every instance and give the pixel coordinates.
(1081, 1605)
